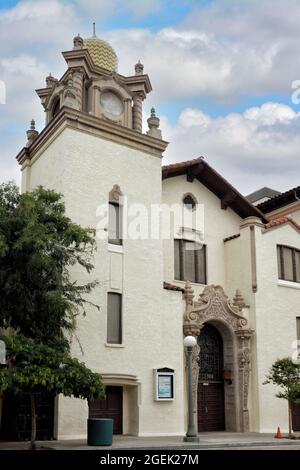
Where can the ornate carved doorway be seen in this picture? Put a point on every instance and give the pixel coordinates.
(213, 307)
(210, 397)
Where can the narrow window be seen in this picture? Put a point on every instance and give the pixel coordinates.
(298, 328)
(114, 318)
(298, 336)
(115, 224)
(190, 261)
(288, 263)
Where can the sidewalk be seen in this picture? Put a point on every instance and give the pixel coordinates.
(211, 440)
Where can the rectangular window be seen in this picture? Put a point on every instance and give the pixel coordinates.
(298, 328)
(115, 224)
(190, 261)
(288, 263)
(114, 318)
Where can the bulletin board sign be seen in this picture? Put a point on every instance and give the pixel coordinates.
(164, 384)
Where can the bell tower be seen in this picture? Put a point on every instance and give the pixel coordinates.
(93, 151)
(93, 97)
(93, 86)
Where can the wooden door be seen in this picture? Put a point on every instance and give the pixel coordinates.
(211, 407)
(111, 407)
(210, 400)
(296, 417)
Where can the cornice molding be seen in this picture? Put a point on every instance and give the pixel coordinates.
(98, 127)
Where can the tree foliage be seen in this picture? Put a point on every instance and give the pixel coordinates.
(33, 366)
(39, 300)
(285, 373)
(39, 245)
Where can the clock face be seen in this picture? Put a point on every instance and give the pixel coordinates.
(111, 103)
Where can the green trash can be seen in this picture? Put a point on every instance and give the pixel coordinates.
(100, 432)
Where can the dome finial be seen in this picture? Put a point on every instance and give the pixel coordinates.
(32, 133)
(153, 123)
(102, 53)
(139, 68)
(78, 42)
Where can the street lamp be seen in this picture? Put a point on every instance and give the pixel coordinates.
(191, 436)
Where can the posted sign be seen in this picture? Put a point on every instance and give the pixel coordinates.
(164, 384)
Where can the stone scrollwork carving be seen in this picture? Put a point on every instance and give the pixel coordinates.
(214, 305)
(195, 371)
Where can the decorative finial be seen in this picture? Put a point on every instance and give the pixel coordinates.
(78, 42)
(94, 30)
(153, 123)
(139, 68)
(50, 80)
(32, 133)
(238, 300)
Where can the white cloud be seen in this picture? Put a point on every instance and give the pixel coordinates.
(256, 148)
(194, 117)
(224, 51)
(33, 32)
(103, 9)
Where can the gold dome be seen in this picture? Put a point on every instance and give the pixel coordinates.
(102, 53)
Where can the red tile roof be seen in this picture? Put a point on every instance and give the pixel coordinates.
(237, 235)
(169, 286)
(279, 201)
(203, 172)
(282, 220)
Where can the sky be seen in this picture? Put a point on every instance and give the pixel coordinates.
(225, 76)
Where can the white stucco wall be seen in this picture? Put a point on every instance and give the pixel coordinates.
(277, 307)
(272, 312)
(218, 224)
(85, 168)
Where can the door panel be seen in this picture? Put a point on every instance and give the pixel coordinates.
(211, 407)
(296, 417)
(111, 407)
(210, 401)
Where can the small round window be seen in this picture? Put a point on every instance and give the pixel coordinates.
(189, 201)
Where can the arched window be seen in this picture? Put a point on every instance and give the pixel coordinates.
(189, 201)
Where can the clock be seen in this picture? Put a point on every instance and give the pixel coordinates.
(111, 104)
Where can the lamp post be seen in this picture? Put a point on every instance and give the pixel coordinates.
(2, 364)
(191, 436)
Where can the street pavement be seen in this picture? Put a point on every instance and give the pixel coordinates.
(212, 440)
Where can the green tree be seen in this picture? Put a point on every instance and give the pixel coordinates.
(39, 299)
(286, 374)
(39, 245)
(32, 367)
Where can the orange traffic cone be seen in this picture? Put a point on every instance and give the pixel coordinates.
(278, 434)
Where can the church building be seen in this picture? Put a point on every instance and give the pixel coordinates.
(234, 285)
